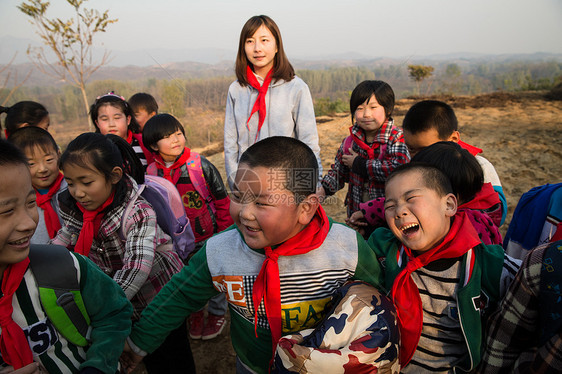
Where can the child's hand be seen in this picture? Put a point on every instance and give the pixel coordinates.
(348, 159)
(129, 359)
(356, 219)
(32, 368)
(357, 222)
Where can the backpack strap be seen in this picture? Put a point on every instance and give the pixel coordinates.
(198, 179)
(59, 291)
(151, 169)
(127, 211)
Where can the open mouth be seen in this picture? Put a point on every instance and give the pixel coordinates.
(252, 229)
(410, 228)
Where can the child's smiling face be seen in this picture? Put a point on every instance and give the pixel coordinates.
(417, 215)
(171, 146)
(370, 116)
(18, 213)
(263, 209)
(43, 165)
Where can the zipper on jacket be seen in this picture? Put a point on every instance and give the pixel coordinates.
(465, 340)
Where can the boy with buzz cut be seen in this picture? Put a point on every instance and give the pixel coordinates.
(144, 107)
(278, 266)
(431, 121)
(38, 333)
(444, 282)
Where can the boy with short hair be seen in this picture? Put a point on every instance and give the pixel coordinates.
(43, 155)
(431, 121)
(443, 280)
(283, 249)
(144, 107)
(30, 339)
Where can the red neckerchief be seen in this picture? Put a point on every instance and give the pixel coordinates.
(484, 199)
(370, 149)
(470, 148)
(13, 343)
(259, 105)
(90, 226)
(406, 295)
(161, 164)
(129, 137)
(52, 220)
(267, 285)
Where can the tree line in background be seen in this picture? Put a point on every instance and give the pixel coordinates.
(199, 103)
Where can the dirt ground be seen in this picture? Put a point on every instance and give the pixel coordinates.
(520, 134)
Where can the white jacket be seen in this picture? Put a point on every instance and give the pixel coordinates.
(289, 112)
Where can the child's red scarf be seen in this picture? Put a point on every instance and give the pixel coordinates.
(90, 226)
(52, 220)
(405, 294)
(129, 137)
(168, 171)
(13, 343)
(370, 149)
(267, 285)
(486, 198)
(259, 105)
(470, 148)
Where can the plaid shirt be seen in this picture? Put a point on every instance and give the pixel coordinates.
(143, 263)
(377, 171)
(513, 331)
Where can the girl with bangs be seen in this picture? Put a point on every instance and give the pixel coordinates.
(267, 99)
(111, 114)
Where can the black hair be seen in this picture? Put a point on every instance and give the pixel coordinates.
(142, 100)
(282, 68)
(10, 154)
(26, 138)
(433, 178)
(29, 112)
(431, 114)
(366, 89)
(103, 152)
(292, 156)
(159, 127)
(462, 168)
(116, 101)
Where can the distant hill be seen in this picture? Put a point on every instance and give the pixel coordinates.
(204, 63)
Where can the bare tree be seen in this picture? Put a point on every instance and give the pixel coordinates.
(70, 40)
(6, 80)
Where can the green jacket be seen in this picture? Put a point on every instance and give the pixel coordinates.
(109, 314)
(489, 277)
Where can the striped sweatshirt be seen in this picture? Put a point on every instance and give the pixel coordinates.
(226, 264)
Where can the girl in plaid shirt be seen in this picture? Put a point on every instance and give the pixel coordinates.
(102, 173)
(376, 148)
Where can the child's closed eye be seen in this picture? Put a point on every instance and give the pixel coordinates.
(6, 212)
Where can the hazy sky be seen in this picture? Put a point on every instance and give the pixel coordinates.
(312, 28)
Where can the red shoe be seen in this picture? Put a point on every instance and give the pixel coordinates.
(214, 326)
(196, 324)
